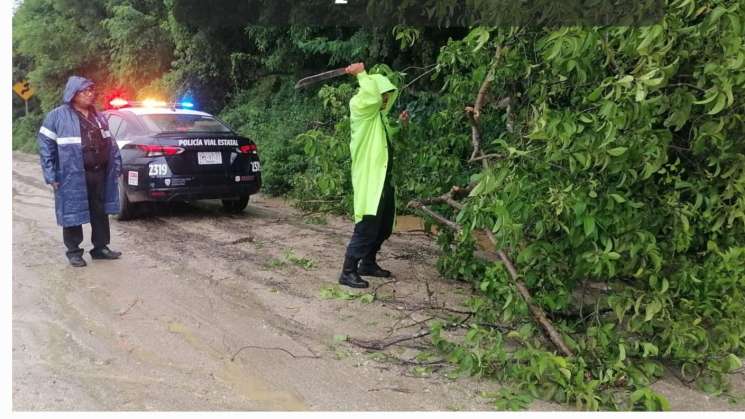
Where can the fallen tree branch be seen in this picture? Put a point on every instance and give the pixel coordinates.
(378, 287)
(378, 345)
(480, 97)
(396, 326)
(396, 389)
(443, 199)
(536, 310)
(474, 112)
(538, 314)
(137, 300)
(458, 192)
(439, 218)
(418, 307)
(500, 327)
(232, 358)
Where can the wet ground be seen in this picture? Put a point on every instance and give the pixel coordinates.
(212, 311)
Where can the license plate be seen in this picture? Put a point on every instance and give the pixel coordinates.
(209, 157)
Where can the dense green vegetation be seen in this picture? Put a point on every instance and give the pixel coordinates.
(618, 160)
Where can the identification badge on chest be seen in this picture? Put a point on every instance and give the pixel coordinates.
(105, 134)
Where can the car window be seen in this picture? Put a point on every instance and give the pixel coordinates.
(157, 123)
(126, 130)
(114, 123)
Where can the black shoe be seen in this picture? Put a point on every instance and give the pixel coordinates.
(105, 253)
(77, 261)
(352, 279)
(349, 275)
(372, 269)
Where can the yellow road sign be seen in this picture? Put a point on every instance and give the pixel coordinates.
(23, 89)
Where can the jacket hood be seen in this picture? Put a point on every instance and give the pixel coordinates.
(74, 85)
(384, 86)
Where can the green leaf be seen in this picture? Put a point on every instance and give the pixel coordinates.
(637, 395)
(615, 152)
(713, 93)
(588, 223)
(651, 309)
(733, 362)
(641, 93)
(625, 81)
(367, 298)
(618, 198)
(651, 36)
(664, 403)
(665, 285)
(719, 105)
(482, 37)
(649, 349)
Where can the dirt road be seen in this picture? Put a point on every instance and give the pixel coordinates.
(210, 311)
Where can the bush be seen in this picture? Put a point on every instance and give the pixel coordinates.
(272, 114)
(25, 129)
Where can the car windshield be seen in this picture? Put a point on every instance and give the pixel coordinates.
(158, 123)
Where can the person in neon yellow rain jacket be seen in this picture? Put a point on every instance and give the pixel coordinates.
(374, 204)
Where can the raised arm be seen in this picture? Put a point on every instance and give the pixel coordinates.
(366, 103)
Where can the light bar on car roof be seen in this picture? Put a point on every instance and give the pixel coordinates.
(153, 103)
(118, 103)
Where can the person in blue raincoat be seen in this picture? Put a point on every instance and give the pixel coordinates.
(81, 161)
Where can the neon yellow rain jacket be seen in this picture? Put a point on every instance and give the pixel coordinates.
(369, 147)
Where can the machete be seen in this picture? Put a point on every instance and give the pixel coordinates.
(320, 77)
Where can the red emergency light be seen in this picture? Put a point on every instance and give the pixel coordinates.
(118, 102)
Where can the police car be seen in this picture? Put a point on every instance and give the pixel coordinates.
(173, 153)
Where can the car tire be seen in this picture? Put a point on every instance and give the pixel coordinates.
(126, 208)
(235, 206)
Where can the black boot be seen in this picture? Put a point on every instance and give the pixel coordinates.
(105, 253)
(368, 267)
(349, 275)
(77, 261)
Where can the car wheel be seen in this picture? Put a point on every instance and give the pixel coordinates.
(126, 208)
(235, 205)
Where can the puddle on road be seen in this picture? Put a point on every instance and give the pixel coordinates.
(234, 375)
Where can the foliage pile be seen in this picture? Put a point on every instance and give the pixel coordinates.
(618, 163)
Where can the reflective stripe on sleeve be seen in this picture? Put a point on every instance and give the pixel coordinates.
(49, 133)
(68, 140)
